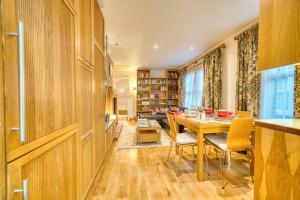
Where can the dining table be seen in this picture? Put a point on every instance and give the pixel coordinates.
(200, 128)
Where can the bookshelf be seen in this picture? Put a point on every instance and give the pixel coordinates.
(143, 91)
(172, 82)
(158, 93)
(155, 92)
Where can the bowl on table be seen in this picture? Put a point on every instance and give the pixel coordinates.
(224, 113)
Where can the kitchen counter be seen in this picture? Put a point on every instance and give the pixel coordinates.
(285, 125)
(277, 159)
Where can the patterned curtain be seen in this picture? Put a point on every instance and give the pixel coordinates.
(297, 91)
(181, 87)
(212, 63)
(248, 79)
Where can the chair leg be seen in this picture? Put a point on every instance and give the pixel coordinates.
(170, 150)
(228, 157)
(250, 164)
(206, 160)
(179, 160)
(221, 168)
(209, 149)
(193, 148)
(177, 149)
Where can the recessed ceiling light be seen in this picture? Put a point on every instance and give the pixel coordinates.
(155, 46)
(191, 47)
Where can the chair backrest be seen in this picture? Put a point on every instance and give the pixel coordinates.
(238, 138)
(173, 131)
(244, 114)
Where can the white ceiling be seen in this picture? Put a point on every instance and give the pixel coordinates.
(174, 25)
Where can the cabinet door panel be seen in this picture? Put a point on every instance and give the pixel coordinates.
(99, 142)
(50, 171)
(99, 78)
(86, 100)
(49, 68)
(279, 33)
(87, 162)
(86, 37)
(98, 26)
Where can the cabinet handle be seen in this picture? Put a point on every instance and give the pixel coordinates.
(21, 57)
(24, 189)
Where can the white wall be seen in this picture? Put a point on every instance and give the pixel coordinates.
(121, 90)
(229, 73)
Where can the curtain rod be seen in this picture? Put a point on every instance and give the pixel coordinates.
(196, 59)
(247, 29)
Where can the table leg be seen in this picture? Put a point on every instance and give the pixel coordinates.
(200, 155)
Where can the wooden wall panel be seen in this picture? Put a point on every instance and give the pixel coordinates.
(87, 163)
(99, 79)
(277, 165)
(86, 95)
(50, 68)
(86, 37)
(98, 26)
(109, 100)
(2, 122)
(99, 142)
(279, 33)
(50, 170)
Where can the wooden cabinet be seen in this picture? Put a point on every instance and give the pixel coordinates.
(86, 37)
(86, 99)
(49, 70)
(279, 33)
(110, 134)
(98, 26)
(87, 147)
(86, 127)
(277, 160)
(99, 143)
(62, 96)
(50, 171)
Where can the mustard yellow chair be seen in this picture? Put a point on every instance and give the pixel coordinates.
(237, 139)
(244, 114)
(180, 140)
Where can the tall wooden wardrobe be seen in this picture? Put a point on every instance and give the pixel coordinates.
(52, 98)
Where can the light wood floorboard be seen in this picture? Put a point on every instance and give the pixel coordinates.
(145, 174)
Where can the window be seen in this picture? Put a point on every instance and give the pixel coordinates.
(277, 98)
(194, 89)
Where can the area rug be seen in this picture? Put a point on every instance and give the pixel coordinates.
(127, 138)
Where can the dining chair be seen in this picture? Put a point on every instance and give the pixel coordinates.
(180, 140)
(244, 114)
(237, 139)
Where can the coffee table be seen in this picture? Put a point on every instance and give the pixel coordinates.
(148, 131)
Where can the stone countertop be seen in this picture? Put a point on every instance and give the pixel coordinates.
(285, 125)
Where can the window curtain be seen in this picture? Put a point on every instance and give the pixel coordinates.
(248, 79)
(297, 91)
(181, 87)
(194, 89)
(212, 63)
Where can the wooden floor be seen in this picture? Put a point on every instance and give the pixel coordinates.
(145, 174)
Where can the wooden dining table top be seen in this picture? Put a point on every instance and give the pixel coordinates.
(206, 123)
